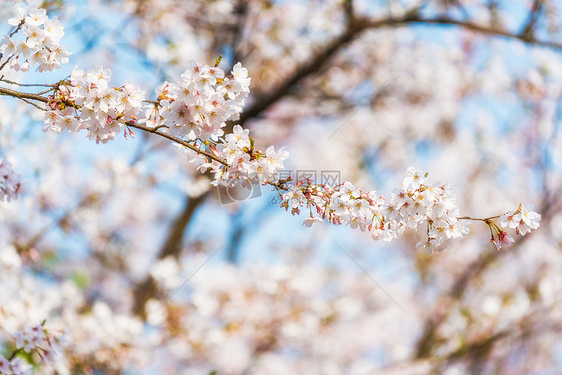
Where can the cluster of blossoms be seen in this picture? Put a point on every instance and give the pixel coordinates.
(33, 340)
(523, 220)
(10, 182)
(40, 44)
(193, 111)
(196, 110)
(88, 102)
(245, 165)
(200, 104)
(421, 203)
(417, 203)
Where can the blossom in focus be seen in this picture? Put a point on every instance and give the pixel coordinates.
(88, 102)
(523, 220)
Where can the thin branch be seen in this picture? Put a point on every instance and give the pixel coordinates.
(18, 27)
(151, 101)
(33, 104)
(415, 19)
(46, 91)
(15, 353)
(477, 219)
(6, 62)
(175, 139)
(22, 95)
(25, 84)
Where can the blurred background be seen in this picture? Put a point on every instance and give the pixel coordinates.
(128, 246)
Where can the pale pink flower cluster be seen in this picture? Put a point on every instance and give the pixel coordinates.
(40, 45)
(194, 110)
(197, 109)
(245, 165)
(342, 204)
(523, 220)
(89, 102)
(417, 203)
(10, 182)
(500, 237)
(200, 104)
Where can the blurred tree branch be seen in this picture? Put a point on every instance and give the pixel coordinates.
(528, 31)
(148, 288)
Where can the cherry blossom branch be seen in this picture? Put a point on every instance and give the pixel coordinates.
(417, 203)
(23, 96)
(193, 113)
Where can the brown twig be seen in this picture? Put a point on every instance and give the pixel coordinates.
(478, 219)
(22, 95)
(174, 139)
(25, 84)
